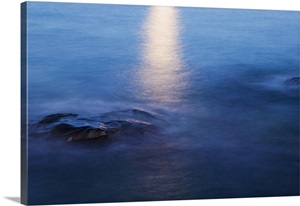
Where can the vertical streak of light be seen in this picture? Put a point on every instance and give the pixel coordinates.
(160, 76)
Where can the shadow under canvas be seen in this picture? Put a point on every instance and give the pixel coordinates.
(13, 199)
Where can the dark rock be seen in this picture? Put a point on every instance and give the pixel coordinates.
(73, 133)
(74, 128)
(144, 113)
(293, 82)
(56, 117)
(62, 129)
(132, 113)
(128, 127)
(87, 133)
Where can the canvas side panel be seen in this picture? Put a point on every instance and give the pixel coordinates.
(24, 169)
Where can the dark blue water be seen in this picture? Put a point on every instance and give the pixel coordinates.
(215, 76)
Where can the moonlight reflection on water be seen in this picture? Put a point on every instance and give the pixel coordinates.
(160, 76)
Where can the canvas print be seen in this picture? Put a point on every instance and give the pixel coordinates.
(126, 103)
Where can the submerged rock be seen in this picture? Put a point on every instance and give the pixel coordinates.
(56, 117)
(144, 113)
(293, 82)
(73, 133)
(71, 127)
(128, 127)
(87, 133)
(132, 113)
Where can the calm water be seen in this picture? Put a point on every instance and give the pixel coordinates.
(215, 76)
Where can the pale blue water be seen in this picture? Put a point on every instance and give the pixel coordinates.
(217, 76)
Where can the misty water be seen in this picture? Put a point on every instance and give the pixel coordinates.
(216, 78)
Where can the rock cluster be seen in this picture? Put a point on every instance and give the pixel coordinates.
(73, 127)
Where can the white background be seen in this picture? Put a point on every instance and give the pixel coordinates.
(10, 96)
